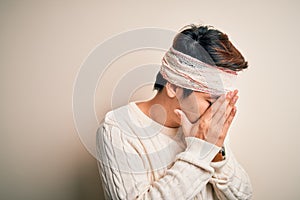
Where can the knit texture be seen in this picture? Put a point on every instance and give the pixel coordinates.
(141, 159)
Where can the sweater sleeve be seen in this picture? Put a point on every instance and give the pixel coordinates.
(119, 163)
(230, 181)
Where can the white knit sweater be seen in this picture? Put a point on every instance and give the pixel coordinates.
(141, 159)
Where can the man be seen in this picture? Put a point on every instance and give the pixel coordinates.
(173, 146)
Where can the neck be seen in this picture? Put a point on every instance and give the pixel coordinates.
(160, 109)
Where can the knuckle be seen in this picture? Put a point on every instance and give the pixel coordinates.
(203, 124)
(221, 136)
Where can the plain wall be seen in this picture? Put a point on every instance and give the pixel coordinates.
(43, 44)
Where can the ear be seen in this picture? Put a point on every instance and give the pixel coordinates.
(171, 90)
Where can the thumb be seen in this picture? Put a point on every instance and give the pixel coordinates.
(185, 122)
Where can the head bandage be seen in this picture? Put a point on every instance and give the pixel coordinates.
(190, 73)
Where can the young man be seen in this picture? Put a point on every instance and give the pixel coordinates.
(173, 146)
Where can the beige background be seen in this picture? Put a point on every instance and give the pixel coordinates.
(43, 44)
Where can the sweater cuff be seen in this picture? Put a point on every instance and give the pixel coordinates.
(226, 168)
(199, 152)
(221, 164)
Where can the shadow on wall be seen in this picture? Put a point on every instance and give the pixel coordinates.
(88, 182)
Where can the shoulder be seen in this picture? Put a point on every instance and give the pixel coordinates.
(116, 134)
(118, 119)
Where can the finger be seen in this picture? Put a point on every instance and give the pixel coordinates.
(230, 99)
(234, 93)
(230, 106)
(183, 117)
(229, 120)
(225, 109)
(209, 113)
(224, 112)
(215, 133)
(221, 129)
(220, 113)
(185, 122)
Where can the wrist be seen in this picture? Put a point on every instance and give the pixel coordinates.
(220, 155)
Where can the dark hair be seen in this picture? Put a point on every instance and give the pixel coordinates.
(208, 45)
